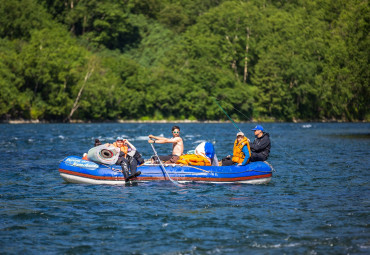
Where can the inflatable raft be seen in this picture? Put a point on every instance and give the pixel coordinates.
(77, 170)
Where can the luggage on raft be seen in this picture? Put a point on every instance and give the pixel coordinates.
(194, 160)
(204, 155)
(104, 154)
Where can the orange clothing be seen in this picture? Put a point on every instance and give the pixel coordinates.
(195, 160)
(123, 148)
(238, 154)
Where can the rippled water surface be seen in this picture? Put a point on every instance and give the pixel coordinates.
(317, 202)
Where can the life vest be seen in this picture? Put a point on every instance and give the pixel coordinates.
(124, 148)
(194, 160)
(238, 154)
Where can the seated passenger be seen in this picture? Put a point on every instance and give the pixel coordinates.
(127, 159)
(97, 142)
(260, 148)
(240, 151)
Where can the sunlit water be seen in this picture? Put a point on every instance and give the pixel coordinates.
(317, 202)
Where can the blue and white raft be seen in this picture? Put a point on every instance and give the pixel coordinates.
(74, 169)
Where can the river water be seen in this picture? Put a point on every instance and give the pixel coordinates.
(317, 202)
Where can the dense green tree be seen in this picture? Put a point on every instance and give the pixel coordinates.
(151, 59)
(52, 66)
(12, 101)
(101, 23)
(18, 18)
(347, 70)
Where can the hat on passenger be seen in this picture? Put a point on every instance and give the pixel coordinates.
(240, 134)
(258, 127)
(119, 138)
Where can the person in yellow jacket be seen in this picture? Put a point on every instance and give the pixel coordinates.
(240, 151)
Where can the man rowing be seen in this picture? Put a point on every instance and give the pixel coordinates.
(177, 145)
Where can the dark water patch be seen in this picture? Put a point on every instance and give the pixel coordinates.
(351, 136)
(80, 249)
(13, 228)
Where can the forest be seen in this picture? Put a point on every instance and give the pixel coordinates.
(109, 60)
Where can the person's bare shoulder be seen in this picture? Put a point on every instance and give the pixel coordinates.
(177, 139)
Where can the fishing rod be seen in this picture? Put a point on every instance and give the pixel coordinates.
(228, 115)
(164, 169)
(248, 145)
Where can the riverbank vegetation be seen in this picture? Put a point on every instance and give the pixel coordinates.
(168, 59)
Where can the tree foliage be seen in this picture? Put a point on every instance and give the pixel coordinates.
(170, 59)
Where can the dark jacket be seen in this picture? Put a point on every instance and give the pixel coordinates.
(262, 145)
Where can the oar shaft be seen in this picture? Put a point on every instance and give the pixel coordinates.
(164, 169)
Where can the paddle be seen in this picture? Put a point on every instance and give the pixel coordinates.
(164, 169)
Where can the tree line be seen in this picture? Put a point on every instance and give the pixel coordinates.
(272, 60)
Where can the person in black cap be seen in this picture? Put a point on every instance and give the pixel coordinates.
(260, 148)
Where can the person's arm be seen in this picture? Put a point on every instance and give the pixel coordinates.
(246, 153)
(153, 139)
(168, 140)
(129, 144)
(159, 139)
(261, 145)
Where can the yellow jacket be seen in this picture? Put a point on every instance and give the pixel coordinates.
(238, 154)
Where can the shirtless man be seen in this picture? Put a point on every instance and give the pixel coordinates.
(177, 145)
